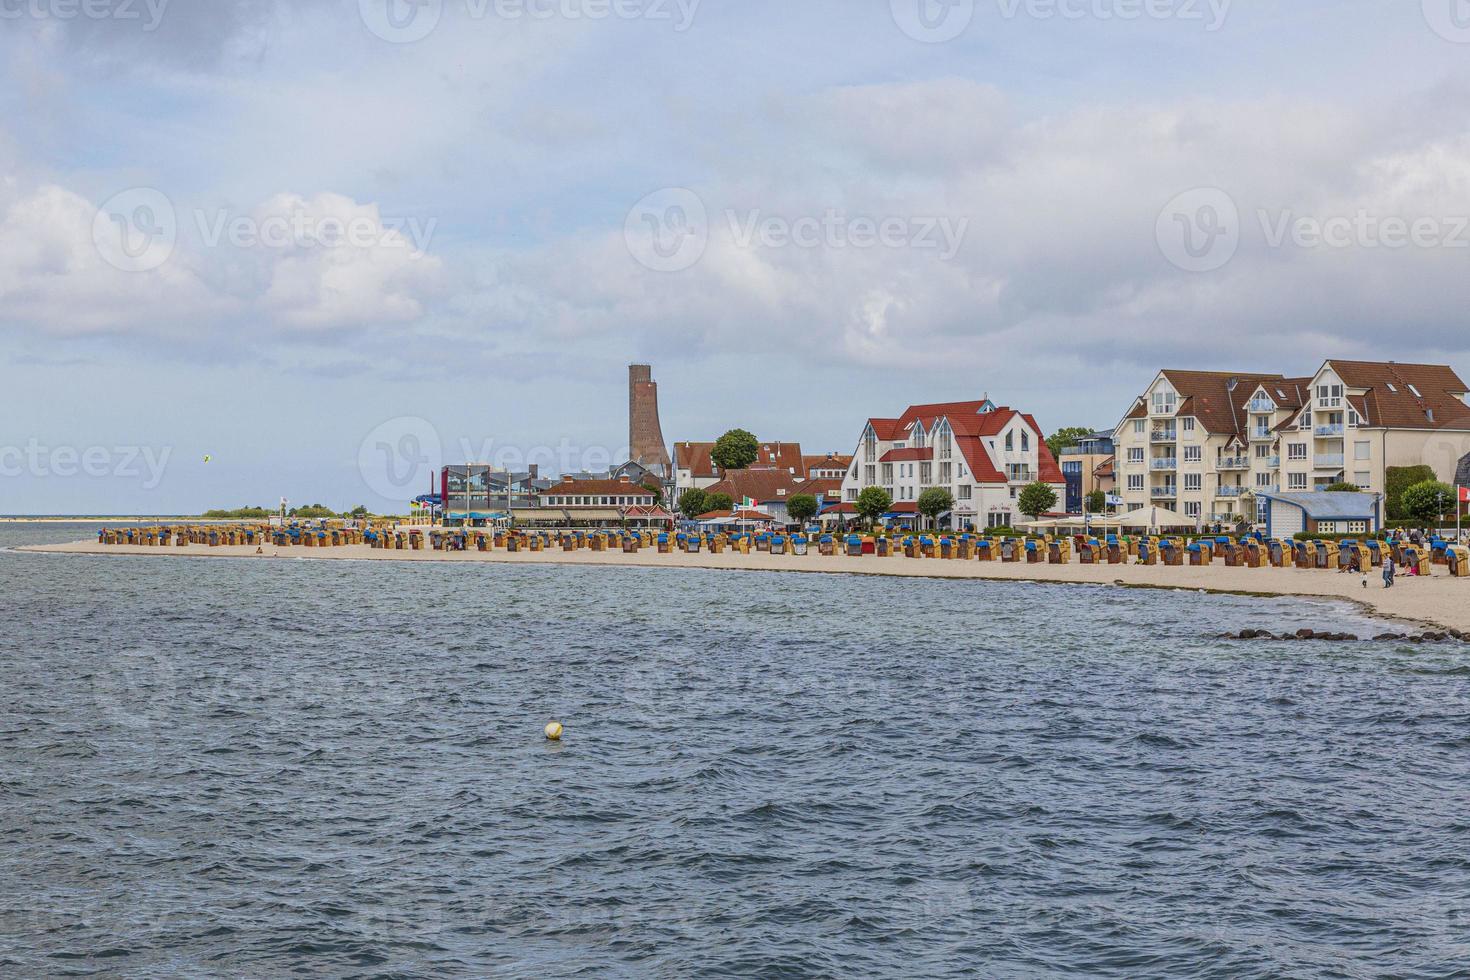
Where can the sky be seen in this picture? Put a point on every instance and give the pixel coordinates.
(332, 244)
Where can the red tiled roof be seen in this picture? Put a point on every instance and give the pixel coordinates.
(831, 461)
(826, 488)
(907, 507)
(885, 429)
(759, 485)
(906, 455)
(695, 457)
(587, 488)
(1439, 403)
(736, 515)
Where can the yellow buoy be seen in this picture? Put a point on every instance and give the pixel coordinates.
(553, 731)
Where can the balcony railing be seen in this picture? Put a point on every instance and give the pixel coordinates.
(1328, 431)
(1020, 476)
(1329, 461)
(1168, 491)
(1165, 435)
(1233, 463)
(1231, 491)
(1260, 405)
(1274, 462)
(1169, 463)
(1262, 435)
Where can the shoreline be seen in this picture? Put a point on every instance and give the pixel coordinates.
(1438, 601)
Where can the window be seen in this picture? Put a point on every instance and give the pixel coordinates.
(1326, 527)
(1191, 508)
(1189, 425)
(944, 473)
(1263, 450)
(1193, 454)
(966, 491)
(1296, 450)
(888, 474)
(1353, 417)
(1138, 427)
(926, 473)
(870, 475)
(1025, 442)
(1363, 479)
(1296, 481)
(1263, 480)
(1393, 389)
(1010, 441)
(1135, 481)
(1357, 527)
(1135, 455)
(852, 493)
(1415, 392)
(1164, 403)
(1193, 481)
(1362, 450)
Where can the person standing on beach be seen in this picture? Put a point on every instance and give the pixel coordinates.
(1388, 572)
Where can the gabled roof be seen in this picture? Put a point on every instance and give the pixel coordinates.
(761, 485)
(1216, 398)
(696, 457)
(1391, 401)
(906, 455)
(831, 461)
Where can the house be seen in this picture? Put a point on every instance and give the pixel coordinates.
(574, 503)
(477, 493)
(694, 465)
(832, 466)
(982, 453)
(1286, 514)
(1087, 467)
(768, 489)
(1210, 443)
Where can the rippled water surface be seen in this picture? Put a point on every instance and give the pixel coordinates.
(259, 768)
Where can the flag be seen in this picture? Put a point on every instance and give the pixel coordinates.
(747, 502)
(1465, 495)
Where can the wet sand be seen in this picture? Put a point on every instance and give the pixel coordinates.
(1438, 600)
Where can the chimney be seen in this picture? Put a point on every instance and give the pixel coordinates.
(534, 470)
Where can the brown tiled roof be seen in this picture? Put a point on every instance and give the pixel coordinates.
(1211, 397)
(586, 488)
(827, 488)
(831, 461)
(695, 457)
(1439, 403)
(907, 455)
(759, 485)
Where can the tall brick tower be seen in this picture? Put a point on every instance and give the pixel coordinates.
(645, 434)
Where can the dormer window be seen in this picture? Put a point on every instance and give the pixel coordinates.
(1010, 441)
(1415, 391)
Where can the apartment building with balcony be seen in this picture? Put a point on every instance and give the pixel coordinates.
(1206, 442)
(982, 453)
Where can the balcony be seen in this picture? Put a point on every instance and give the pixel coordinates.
(1165, 435)
(1260, 406)
(1332, 461)
(1259, 434)
(1225, 491)
(1329, 431)
(1164, 463)
(1274, 462)
(1233, 463)
(1020, 475)
(1167, 492)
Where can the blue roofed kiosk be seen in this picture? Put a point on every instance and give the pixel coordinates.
(1319, 512)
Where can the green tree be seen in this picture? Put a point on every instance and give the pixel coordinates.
(692, 502)
(802, 507)
(359, 511)
(935, 501)
(1397, 479)
(1342, 488)
(718, 501)
(873, 503)
(1097, 502)
(1065, 439)
(735, 450)
(1036, 499)
(653, 487)
(1428, 501)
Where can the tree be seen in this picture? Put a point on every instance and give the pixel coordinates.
(1065, 439)
(692, 502)
(1397, 479)
(935, 501)
(1036, 499)
(1342, 488)
(802, 507)
(1428, 501)
(359, 511)
(735, 450)
(1097, 502)
(718, 501)
(653, 487)
(873, 503)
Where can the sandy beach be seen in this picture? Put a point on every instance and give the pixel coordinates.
(1438, 601)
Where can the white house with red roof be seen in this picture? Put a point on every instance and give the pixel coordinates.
(983, 454)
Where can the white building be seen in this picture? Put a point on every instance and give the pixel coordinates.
(983, 454)
(1206, 442)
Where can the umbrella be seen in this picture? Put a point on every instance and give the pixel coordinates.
(1153, 516)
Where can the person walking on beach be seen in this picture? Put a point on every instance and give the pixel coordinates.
(1388, 572)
